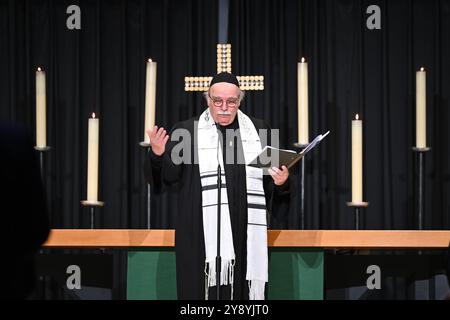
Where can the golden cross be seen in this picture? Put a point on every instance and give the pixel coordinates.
(223, 65)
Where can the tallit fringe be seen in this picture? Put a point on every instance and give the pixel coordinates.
(226, 275)
(256, 289)
(206, 283)
(232, 278)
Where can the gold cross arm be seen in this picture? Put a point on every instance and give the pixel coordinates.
(224, 65)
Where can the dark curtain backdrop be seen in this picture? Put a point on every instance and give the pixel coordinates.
(354, 70)
(101, 68)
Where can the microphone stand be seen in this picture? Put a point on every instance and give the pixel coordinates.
(219, 207)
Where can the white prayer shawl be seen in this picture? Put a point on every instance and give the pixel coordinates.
(257, 256)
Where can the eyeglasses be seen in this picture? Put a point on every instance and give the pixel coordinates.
(217, 102)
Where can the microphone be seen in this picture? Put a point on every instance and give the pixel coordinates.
(219, 169)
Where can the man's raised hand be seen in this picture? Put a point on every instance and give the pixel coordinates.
(158, 140)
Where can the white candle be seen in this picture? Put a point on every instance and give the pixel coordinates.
(41, 126)
(421, 115)
(357, 161)
(92, 173)
(302, 82)
(150, 98)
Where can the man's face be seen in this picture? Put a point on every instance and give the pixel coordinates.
(223, 102)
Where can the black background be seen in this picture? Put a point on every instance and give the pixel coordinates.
(101, 68)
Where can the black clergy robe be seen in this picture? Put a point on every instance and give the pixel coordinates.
(184, 179)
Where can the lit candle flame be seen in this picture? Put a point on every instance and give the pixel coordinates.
(150, 60)
(303, 59)
(422, 69)
(93, 115)
(39, 69)
(357, 116)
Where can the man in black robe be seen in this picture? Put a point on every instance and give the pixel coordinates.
(162, 172)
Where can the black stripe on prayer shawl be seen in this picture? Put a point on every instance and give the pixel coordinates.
(256, 194)
(256, 206)
(210, 205)
(213, 186)
(257, 224)
(211, 175)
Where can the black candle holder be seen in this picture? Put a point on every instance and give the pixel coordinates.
(42, 151)
(301, 146)
(420, 152)
(92, 205)
(357, 206)
(146, 145)
(43, 280)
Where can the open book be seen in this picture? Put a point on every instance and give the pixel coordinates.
(274, 157)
